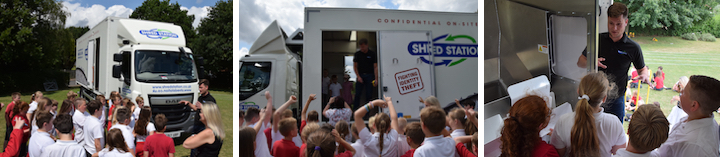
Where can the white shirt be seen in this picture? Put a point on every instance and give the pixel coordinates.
(370, 141)
(335, 88)
(79, 122)
(624, 153)
(261, 141)
(34, 126)
(93, 130)
(149, 128)
(38, 141)
(608, 128)
(63, 148)
(127, 134)
(437, 146)
(403, 146)
(458, 133)
(692, 138)
(675, 115)
(114, 153)
(325, 83)
(33, 107)
(359, 148)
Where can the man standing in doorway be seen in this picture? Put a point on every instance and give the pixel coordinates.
(365, 66)
(615, 53)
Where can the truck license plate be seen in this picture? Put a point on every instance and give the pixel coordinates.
(173, 134)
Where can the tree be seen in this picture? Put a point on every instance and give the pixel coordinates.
(214, 41)
(163, 11)
(32, 41)
(668, 15)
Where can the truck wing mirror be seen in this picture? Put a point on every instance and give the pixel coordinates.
(200, 61)
(117, 57)
(116, 71)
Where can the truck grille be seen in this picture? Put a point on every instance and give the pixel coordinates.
(175, 113)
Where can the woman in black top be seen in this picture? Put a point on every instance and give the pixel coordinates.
(209, 141)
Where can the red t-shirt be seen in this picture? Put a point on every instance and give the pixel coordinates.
(409, 153)
(285, 148)
(110, 112)
(159, 145)
(26, 136)
(635, 99)
(634, 75)
(659, 82)
(268, 135)
(302, 150)
(345, 154)
(14, 145)
(543, 149)
(463, 151)
(302, 125)
(8, 113)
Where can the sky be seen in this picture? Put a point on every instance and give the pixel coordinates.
(256, 15)
(91, 12)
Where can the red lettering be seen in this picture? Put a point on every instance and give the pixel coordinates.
(454, 23)
(379, 20)
(386, 20)
(392, 21)
(408, 21)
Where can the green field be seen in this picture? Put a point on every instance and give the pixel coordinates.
(678, 57)
(224, 100)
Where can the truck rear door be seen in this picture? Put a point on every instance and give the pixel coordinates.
(404, 74)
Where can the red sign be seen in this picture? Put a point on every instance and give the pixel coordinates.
(409, 81)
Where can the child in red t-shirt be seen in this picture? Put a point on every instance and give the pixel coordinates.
(286, 147)
(159, 145)
(415, 137)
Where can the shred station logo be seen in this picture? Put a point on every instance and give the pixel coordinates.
(463, 50)
(159, 34)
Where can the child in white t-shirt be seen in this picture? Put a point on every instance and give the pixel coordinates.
(335, 87)
(382, 142)
(433, 122)
(648, 129)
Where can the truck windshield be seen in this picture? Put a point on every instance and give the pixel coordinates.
(254, 77)
(164, 66)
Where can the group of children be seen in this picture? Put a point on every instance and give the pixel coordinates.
(591, 132)
(386, 134)
(78, 129)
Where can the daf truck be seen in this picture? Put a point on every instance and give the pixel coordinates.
(140, 58)
(420, 53)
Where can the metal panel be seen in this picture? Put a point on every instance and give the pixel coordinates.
(522, 29)
(561, 5)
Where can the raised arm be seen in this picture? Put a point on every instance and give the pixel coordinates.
(303, 115)
(258, 124)
(327, 106)
(280, 110)
(393, 114)
(342, 142)
(471, 118)
(268, 107)
(361, 111)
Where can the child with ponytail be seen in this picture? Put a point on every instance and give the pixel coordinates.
(322, 144)
(521, 129)
(383, 141)
(589, 131)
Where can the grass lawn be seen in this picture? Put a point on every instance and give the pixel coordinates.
(224, 100)
(678, 57)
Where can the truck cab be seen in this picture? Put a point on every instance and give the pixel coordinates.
(140, 58)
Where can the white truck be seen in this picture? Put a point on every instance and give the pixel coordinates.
(420, 53)
(140, 58)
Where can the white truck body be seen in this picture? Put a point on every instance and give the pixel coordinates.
(151, 63)
(402, 40)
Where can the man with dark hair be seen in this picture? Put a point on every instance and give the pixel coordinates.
(615, 53)
(65, 145)
(366, 72)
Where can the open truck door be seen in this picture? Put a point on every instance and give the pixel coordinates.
(404, 74)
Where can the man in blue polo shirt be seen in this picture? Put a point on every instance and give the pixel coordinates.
(615, 53)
